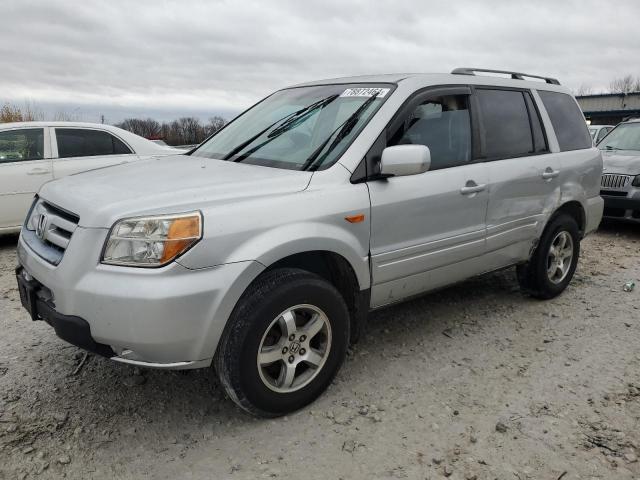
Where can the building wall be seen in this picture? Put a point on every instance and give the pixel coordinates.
(609, 108)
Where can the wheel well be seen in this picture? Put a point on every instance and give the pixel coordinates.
(336, 270)
(575, 210)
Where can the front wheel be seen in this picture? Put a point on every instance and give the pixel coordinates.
(554, 261)
(284, 343)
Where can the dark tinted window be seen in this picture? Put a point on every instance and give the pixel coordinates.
(505, 118)
(119, 147)
(539, 139)
(567, 120)
(18, 145)
(76, 142)
(443, 124)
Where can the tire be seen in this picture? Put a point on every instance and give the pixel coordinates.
(534, 277)
(262, 322)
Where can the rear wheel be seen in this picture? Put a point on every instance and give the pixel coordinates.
(554, 261)
(284, 343)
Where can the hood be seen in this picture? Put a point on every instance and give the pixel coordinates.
(172, 184)
(622, 162)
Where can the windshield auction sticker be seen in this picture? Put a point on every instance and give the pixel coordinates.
(365, 92)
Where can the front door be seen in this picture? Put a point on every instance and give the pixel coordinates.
(428, 230)
(25, 165)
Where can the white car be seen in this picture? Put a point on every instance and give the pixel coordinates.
(598, 132)
(32, 153)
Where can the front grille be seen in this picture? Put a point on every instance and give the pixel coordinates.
(49, 229)
(611, 180)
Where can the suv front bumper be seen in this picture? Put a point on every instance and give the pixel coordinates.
(74, 330)
(170, 317)
(622, 205)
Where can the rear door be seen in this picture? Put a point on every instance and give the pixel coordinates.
(80, 149)
(25, 165)
(523, 172)
(428, 230)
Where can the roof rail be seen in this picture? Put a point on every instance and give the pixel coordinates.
(514, 75)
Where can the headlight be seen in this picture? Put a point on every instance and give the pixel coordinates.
(636, 181)
(152, 241)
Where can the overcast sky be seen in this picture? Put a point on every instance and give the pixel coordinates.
(169, 59)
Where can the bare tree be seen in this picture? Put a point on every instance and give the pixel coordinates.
(145, 127)
(584, 89)
(191, 129)
(215, 124)
(183, 131)
(13, 113)
(626, 84)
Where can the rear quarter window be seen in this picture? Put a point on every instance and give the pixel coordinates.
(567, 120)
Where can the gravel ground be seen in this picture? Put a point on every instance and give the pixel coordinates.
(473, 382)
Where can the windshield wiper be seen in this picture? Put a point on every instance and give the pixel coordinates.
(609, 147)
(287, 122)
(301, 116)
(341, 132)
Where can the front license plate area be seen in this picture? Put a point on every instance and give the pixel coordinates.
(28, 296)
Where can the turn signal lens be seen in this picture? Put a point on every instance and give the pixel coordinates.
(152, 241)
(355, 218)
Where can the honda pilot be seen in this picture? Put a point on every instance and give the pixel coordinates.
(260, 253)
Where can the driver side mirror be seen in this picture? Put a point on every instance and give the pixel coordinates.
(401, 160)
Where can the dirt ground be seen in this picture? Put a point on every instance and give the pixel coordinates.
(473, 382)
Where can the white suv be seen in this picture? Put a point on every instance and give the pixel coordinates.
(33, 153)
(261, 252)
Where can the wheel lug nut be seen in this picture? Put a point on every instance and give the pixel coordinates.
(291, 359)
(302, 351)
(285, 350)
(303, 338)
(292, 337)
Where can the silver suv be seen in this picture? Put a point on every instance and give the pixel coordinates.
(261, 252)
(621, 179)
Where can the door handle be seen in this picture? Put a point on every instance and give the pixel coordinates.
(550, 173)
(38, 171)
(472, 187)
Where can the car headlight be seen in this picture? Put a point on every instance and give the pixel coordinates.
(152, 241)
(636, 181)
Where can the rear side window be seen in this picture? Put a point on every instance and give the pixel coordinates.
(567, 120)
(505, 118)
(76, 142)
(21, 145)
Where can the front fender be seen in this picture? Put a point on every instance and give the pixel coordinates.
(268, 230)
(274, 245)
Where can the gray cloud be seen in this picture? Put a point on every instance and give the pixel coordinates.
(221, 56)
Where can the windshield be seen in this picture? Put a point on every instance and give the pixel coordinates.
(625, 136)
(305, 128)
